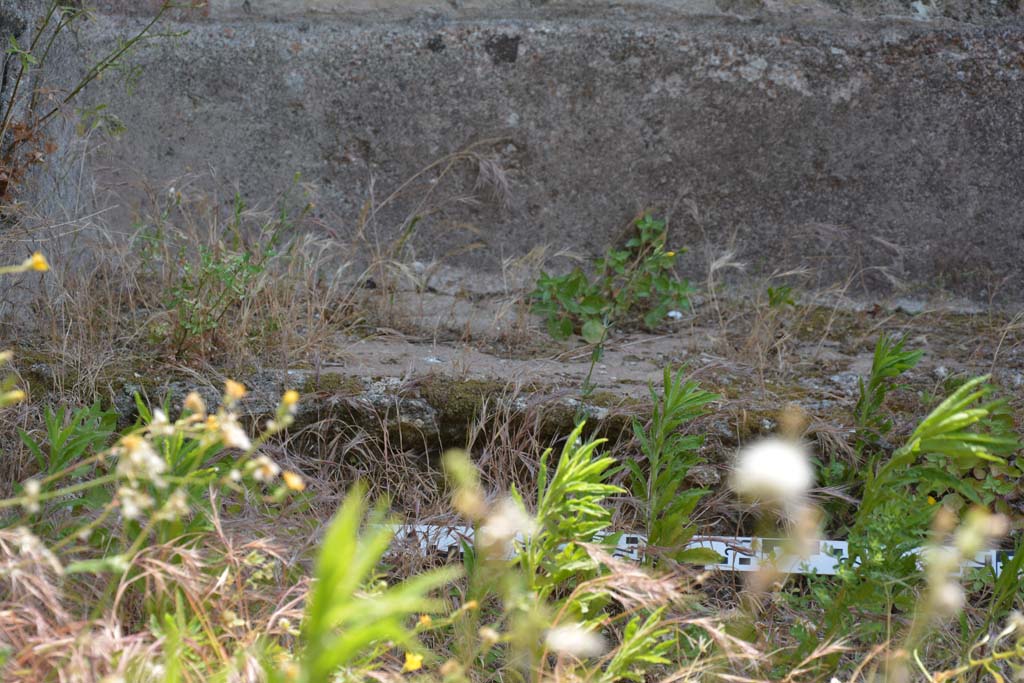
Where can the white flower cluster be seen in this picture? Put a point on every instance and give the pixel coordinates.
(137, 461)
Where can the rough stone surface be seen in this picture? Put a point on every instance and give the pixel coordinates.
(878, 152)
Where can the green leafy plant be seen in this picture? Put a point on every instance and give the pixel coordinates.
(569, 511)
(70, 437)
(871, 420)
(560, 579)
(645, 645)
(889, 362)
(781, 296)
(346, 624)
(892, 518)
(215, 282)
(636, 283)
(669, 455)
(962, 431)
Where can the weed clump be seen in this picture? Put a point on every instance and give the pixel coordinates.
(634, 284)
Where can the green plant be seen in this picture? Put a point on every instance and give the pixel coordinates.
(346, 625)
(222, 279)
(781, 296)
(645, 645)
(872, 422)
(630, 284)
(667, 503)
(85, 431)
(569, 511)
(156, 478)
(560, 582)
(892, 518)
(889, 362)
(962, 431)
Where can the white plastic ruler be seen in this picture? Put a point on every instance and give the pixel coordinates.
(739, 553)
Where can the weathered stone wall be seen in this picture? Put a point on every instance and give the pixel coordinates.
(874, 149)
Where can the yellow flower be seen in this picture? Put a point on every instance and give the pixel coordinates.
(36, 262)
(413, 662)
(290, 398)
(470, 605)
(194, 403)
(670, 253)
(234, 391)
(293, 481)
(425, 621)
(931, 500)
(11, 397)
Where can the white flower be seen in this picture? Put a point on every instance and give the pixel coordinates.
(948, 599)
(232, 434)
(507, 521)
(32, 489)
(176, 505)
(133, 502)
(160, 425)
(138, 460)
(773, 470)
(573, 639)
(940, 560)
(264, 469)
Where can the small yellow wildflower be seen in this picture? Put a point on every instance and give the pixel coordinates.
(931, 500)
(413, 662)
(290, 398)
(36, 262)
(293, 481)
(670, 253)
(470, 605)
(425, 621)
(195, 404)
(234, 391)
(11, 397)
(291, 671)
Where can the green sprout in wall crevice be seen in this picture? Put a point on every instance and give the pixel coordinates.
(635, 285)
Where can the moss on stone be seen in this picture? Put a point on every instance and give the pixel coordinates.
(458, 399)
(335, 383)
